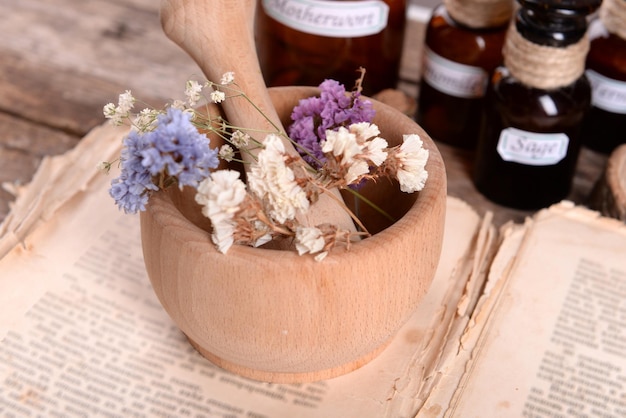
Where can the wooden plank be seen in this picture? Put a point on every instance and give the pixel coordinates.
(46, 95)
(62, 61)
(79, 55)
(22, 146)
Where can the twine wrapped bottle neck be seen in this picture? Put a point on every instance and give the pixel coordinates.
(613, 16)
(541, 66)
(477, 14)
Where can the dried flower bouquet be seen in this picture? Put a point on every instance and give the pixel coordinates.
(339, 147)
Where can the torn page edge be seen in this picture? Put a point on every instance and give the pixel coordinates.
(485, 249)
(420, 377)
(581, 213)
(454, 371)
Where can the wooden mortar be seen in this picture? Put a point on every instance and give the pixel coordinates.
(275, 316)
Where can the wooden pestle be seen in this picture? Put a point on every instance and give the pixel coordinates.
(219, 36)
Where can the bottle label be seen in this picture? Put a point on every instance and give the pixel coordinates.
(458, 80)
(339, 19)
(607, 94)
(532, 148)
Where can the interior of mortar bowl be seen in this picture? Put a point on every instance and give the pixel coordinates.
(386, 195)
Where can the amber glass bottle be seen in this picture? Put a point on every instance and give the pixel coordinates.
(530, 135)
(304, 42)
(605, 124)
(463, 46)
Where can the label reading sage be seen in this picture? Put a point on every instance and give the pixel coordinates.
(531, 148)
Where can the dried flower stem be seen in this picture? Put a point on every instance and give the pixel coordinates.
(358, 85)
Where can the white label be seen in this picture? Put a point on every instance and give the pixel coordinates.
(607, 94)
(339, 19)
(532, 148)
(455, 79)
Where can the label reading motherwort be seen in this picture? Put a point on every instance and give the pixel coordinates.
(607, 94)
(458, 80)
(339, 19)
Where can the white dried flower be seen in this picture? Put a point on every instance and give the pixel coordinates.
(228, 78)
(223, 235)
(364, 130)
(341, 143)
(226, 152)
(263, 230)
(240, 139)
(220, 196)
(125, 103)
(412, 158)
(274, 183)
(375, 150)
(145, 119)
(110, 112)
(218, 96)
(356, 170)
(321, 256)
(179, 104)
(192, 91)
(309, 240)
(372, 146)
(103, 166)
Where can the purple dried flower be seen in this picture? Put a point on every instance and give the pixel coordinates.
(175, 149)
(331, 110)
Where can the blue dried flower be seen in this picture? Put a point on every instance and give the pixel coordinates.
(331, 110)
(173, 150)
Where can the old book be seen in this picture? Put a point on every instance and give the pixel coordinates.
(528, 320)
(548, 335)
(83, 333)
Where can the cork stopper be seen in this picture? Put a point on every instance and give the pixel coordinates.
(541, 66)
(547, 44)
(478, 14)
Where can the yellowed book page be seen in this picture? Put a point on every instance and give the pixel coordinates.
(555, 344)
(82, 333)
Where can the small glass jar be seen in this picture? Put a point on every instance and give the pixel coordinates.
(530, 136)
(463, 46)
(304, 42)
(605, 124)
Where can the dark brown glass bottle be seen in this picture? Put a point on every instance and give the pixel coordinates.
(305, 42)
(605, 124)
(458, 61)
(530, 135)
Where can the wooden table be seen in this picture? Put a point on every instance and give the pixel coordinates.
(62, 60)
